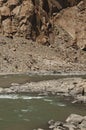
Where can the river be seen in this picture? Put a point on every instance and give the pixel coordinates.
(27, 111)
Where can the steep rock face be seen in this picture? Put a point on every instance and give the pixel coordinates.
(29, 18)
(14, 14)
(73, 21)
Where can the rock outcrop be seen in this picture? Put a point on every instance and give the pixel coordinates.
(50, 23)
(30, 18)
(73, 21)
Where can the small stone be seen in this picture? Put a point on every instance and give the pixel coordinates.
(14, 84)
(40, 129)
(51, 122)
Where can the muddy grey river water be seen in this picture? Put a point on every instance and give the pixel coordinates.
(6, 80)
(27, 112)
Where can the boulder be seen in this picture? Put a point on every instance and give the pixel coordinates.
(5, 11)
(81, 98)
(42, 39)
(7, 28)
(60, 128)
(70, 126)
(57, 129)
(26, 9)
(51, 122)
(40, 129)
(74, 119)
(12, 3)
(83, 124)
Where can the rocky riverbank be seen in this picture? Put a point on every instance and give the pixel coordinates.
(68, 86)
(73, 122)
(75, 87)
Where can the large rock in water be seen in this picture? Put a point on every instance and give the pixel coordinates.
(74, 119)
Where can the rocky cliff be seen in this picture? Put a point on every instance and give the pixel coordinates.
(29, 18)
(58, 24)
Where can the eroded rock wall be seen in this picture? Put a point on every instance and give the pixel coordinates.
(29, 18)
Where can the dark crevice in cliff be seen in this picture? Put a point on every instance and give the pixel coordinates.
(46, 6)
(4, 1)
(33, 1)
(35, 28)
(43, 13)
(41, 19)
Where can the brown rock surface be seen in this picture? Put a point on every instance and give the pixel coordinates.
(73, 20)
(32, 12)
(5, 11)
(61, 30)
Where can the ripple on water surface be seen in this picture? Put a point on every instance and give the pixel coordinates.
(15, 96)
(27, 112)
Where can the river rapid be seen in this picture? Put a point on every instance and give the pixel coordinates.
(30, 111)
(27, 112)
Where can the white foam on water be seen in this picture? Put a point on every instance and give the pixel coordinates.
(28, 97)
(26, 120)
(20, 115)
(24, 110)
(58, 104)
(15, 96)
(8, 96)
(61, 104)
(48, 100)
